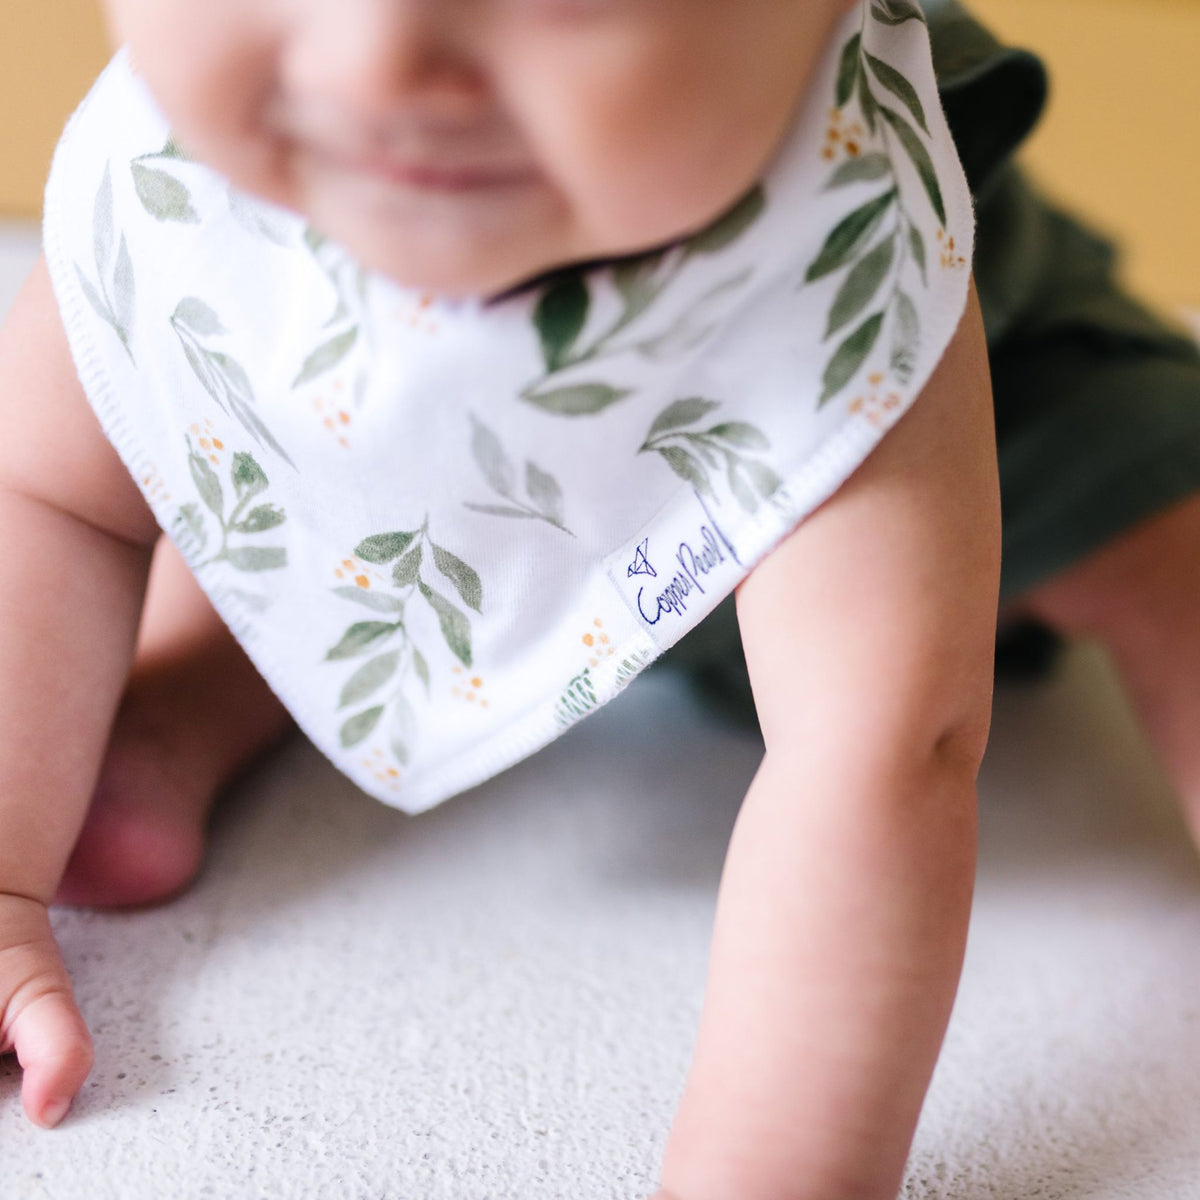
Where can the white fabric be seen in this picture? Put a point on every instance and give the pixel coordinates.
(443, 530)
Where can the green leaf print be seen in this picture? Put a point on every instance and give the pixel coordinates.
(392, 666)
(492, 459)
(360, 637)
(402, 728)
(198, 318)
(249, 479)
(896, 12)
(868, 168)
(326, 356)
(728, 228)
(256, 558)
(680, 413)
(861, 285)
(378, 601)
(848, 71)
(634, 280)
(545, 494)
(899, 87)
(383, 547)
(221, 376)
(741, 435)
(123, 287)
(543, 489)
(163, 196)
(369, 678)
(559, 318)
(850, 356)
(906, 337)
(408, 569)
(466, 581)
(878, 276)
(850, 235)
(454, 625)
(920, 157)
(687, 468)
(207, 483)
(693, 454)
(582, 400)
(358, 728)
(421, 667)
(916, 244)
(103, 234)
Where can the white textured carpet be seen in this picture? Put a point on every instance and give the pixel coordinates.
(496, 1000)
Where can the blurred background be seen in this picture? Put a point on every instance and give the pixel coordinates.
(1121, 144)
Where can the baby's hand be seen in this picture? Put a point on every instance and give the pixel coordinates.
(38, 1017)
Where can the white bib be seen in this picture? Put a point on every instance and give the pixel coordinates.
(446, 530)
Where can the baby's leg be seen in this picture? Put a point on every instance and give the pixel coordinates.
(194, 713)
(1139, 595)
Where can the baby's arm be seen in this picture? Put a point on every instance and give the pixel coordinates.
(77, 542)
(844, 904)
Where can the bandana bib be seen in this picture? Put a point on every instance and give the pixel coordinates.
(446, 530)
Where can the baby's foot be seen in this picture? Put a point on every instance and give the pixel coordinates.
(194, 714)
(184, 730)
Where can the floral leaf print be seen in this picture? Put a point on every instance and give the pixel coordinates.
(916, 243)
(899, 87)
(560, 316)
(579, 695)
(906, 337)
(392, 656)
(849, 236)
(563, 309)
(221, 376)
(248, 480)
(491, 458)
(850, 356)
(860, 285)
(163, 196)
(454, 625)
(259, 221)
(114, 305)
(848, 69)
(327, 356)
(896, 12)
(693, 454)
(383, 547)
(727, 228)
(408, 569)
(402, 728)
(360, 727)
(680, 413)
(359, 638)
(865, 169)
(465, 580)
(369, 678)
(377, 601)
(920, 157)
(583, 399)
(878, 240)
(543, 490)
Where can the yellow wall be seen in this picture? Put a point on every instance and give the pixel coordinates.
(1122, 139)
(50, 50)
(1122, 142)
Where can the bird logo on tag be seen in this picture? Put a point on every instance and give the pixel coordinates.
(641, 564)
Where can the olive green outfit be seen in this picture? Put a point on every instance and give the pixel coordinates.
(1097, 398)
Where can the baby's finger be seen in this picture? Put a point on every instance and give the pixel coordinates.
(38, 1016)
(55, 1051)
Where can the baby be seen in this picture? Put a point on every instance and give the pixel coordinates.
(596, 230)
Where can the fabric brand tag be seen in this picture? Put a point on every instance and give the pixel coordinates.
(677, 570)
